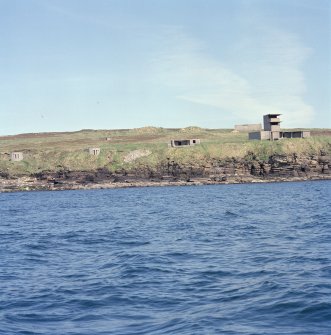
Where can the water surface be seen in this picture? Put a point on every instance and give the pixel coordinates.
(227, 259)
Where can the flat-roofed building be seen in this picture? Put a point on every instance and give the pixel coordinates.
(295, 134)
(272, 131)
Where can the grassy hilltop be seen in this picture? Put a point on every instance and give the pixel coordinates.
(146, 146)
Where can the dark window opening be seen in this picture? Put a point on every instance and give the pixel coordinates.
(180, 143)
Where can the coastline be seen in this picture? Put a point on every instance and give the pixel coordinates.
(28, 184)
(277, 168)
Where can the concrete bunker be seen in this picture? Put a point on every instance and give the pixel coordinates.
(272, 131)
(184, 142)
(94, 151)
(16, 156)
(295, 134)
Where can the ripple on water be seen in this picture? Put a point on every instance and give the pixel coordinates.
(193, 260)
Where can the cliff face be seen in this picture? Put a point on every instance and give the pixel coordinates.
(167, 172)
(219, 170)
(246, 169)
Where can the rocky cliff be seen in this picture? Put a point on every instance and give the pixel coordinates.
(169, 172)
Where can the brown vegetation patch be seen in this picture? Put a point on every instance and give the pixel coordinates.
(35, 135)
(324, 132)
(135, 138)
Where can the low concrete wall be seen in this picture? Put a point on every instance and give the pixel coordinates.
(265, 135)
(259, 135)
(274, 135)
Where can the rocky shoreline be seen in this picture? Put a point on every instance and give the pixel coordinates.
(26, 184)
(277, 168)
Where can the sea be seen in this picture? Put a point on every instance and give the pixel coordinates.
(218, 259)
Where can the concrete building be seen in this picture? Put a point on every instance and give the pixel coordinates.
(271, 123)
(272, 131)
(94, 151)
(295, 134)
(184, 143)
(248, 127)
(16, 156)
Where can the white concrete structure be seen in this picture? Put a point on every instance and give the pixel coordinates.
(272, 130)
(94, 151)
(16, 156)
(184, 143)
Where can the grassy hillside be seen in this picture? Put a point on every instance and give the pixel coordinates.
(146, 146)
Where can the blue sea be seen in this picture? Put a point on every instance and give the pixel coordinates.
(222, 259)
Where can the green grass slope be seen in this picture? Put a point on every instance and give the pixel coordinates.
(142, 146)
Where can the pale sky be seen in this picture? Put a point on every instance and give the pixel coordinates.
(106, 64)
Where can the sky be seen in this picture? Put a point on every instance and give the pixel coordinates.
(67, 65)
